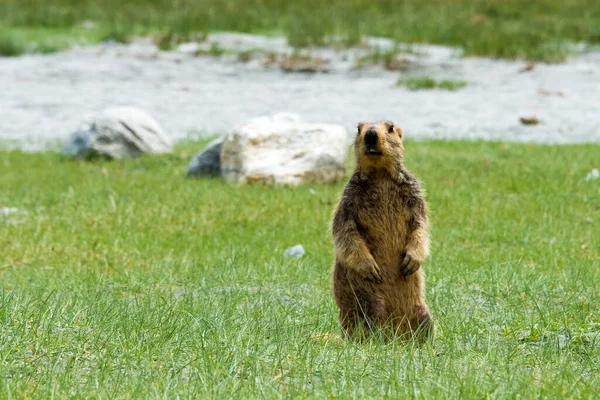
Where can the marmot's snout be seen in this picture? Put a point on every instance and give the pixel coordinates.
(371, 143)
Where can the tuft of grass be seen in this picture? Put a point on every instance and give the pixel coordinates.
(166, 42)
(47, 47)
(172, 38)
(423, 83)
(214, 51)
(16, 44)
(119, 33)
(378, 56)
(11, 45)
(247, 55)
(49, 40)
(123, 279)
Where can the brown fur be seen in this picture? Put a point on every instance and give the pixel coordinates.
(381, 237)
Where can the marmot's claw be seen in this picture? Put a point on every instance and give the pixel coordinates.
(373, 275)
(375, 279)
(409, 265)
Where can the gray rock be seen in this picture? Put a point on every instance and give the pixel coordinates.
(78, 144)
(119, 133)
(296, 252)
(208, 161)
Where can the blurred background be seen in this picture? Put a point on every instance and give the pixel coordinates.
(517, 70)
(539, 30)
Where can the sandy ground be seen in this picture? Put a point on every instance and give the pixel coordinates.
(44, 98)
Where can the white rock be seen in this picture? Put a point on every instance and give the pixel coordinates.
(119, 132)
(593, 175)
(284, 150)
(296, 251)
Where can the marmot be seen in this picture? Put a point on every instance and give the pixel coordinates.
(381, 236)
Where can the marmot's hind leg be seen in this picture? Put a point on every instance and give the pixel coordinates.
(346, 301)
(351, 323)
(421, 324)
(362, 319)
(359, 313)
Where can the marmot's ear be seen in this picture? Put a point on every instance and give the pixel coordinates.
(398, 130)
(360, 126)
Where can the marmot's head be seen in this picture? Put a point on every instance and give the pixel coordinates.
(378, 145)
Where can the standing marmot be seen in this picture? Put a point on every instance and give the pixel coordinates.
(381, 238)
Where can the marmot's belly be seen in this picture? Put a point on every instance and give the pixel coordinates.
(386, 234)
(387, 250)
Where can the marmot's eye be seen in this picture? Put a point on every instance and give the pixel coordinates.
(391, 129)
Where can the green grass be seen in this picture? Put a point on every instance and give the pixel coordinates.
(11, 45)
(430, 83)
(119, 33)
(389, 59)
(125, 280)
(541, 30)
(214, 51)
(16, 41)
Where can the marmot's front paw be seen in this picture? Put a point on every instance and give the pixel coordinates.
(408, 265)
(372, 273)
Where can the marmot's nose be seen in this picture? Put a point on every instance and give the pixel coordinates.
(371, 138)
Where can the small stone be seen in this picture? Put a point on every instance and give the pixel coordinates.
(304, 64)
(529, 120)
(398, 64)
(563, 341)
(545, 92)
(593, 175)
(528, 67)
(296, 252)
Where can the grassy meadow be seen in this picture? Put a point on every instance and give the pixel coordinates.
(541, 30)
(125, 280)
